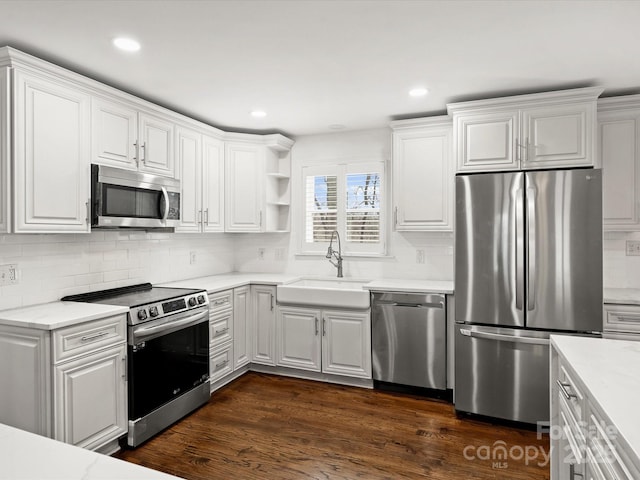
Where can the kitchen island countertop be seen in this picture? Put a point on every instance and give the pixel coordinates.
(609, 370)
(27, 456)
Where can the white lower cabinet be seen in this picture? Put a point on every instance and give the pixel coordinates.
(241, 326)
(221, 362)
(90, 398)
(69, 383)
(263, 299)
(328, 341)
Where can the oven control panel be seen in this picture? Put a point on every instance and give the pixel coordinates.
(162, 309)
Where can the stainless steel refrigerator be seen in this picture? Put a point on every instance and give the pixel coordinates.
(528, 263)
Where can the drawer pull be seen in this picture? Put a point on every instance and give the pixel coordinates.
(222, 364)
(220, 332)
(628, 319)
(88, 338)
(220, 302)
(563, 388)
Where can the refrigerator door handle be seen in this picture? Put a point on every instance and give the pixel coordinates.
(504, 338)
(519, 255)
(531, 247)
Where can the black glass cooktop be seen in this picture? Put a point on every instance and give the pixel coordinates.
(132, 296)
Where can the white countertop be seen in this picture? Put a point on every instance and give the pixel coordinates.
(232, 280)
(216, 283)
(609, 369)
(50, 316)
(623, 296)
(410, 286)
(26, 456)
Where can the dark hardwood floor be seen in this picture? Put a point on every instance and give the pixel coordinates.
(271, 427)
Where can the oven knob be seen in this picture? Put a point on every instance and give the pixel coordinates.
(142, 314)
(153, 311)
(192, 302)
(200, 298)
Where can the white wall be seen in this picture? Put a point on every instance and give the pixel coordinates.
(620, 270)
(52, 266)
(367, 145)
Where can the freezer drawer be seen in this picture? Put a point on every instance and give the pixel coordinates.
(409, 339)
(502, 373)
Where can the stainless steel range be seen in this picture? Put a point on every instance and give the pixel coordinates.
(168, 353)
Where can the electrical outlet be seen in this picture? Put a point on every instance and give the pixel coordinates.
(633, 247)
(192, 258)
(261, 253)
(279, 254)
(419, 255)
(8, 274)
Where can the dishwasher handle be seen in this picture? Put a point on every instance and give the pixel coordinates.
(410, 305)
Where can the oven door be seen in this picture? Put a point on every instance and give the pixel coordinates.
(167, 358)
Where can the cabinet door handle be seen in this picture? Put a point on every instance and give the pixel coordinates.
(88, 205)
(261, 218)
(200, 217)
(88, 338)
(564, 389)
(272, 302)
(324, 326)
(316, 326)
(124, 368)
(206, 217)
(395, 216)
(136, 152)
(144, 152)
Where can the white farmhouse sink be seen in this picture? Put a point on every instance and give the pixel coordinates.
(325, 292)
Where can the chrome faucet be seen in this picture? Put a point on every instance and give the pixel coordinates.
(332, 253)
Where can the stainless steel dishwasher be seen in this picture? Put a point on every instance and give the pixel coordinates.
(408, 341)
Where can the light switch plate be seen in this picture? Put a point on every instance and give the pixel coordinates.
(633, 247)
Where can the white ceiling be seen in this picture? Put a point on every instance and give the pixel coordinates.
(310, 64)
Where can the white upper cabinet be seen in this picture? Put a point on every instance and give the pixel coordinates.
(114, 133)
(127, 138)
(244, 179)
(257, 183)
(545, 130)
(189, 155)
(619, 152)
(423, 174)
(5, 149)
(51, 128)
(201, 173)
(212, 184)
(155, 145)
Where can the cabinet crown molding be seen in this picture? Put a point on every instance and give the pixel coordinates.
(435, 121)
(624, 102)
(528, 100)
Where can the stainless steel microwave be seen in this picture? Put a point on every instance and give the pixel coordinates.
(126, 199)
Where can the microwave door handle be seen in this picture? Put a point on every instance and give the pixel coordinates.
(165, 195)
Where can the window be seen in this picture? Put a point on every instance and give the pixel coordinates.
(346, 198)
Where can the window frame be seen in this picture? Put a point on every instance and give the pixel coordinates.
(341, 170)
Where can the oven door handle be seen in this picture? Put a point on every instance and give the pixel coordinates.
(143, 333)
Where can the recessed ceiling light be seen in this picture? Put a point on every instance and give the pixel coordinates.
(258, 114)
(418, 92)
(337, 126)
(126, 44)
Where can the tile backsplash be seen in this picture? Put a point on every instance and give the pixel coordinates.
(52, 266)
